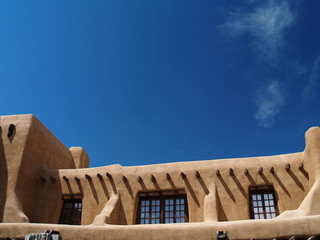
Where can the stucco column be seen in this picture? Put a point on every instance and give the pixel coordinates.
(210, 206)
(310, 205)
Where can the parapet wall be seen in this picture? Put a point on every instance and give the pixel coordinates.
(211, 196)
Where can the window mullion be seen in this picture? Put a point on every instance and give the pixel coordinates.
(162, 210)
(186, 213)
(149, 212)
(263, 206)
(174, 211)
(73, 212)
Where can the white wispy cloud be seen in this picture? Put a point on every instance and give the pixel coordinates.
(269, 100)
(309, 90)
(266, 25)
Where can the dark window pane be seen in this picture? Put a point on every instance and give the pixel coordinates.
(71, 212)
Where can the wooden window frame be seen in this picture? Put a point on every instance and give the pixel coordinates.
(75, 210)
(268, 196)
(164, 207)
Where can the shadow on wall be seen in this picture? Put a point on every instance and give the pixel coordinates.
(221, 213)
(225, 186)
(202, 183)
(191, 191)
(276, 177)
(295, 179)
(128, 186)
(104, 187)
(122, 215)
(93, 189)
(3, 177)
(240, 187)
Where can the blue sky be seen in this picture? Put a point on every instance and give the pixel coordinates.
(144, 82)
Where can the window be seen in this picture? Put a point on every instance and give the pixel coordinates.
(162, 207)
(71, 211)
(263, 202)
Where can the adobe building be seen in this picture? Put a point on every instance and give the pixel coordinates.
(44, 185)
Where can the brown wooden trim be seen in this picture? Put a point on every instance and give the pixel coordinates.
(71, 196)
(260, 187)
(162, 193)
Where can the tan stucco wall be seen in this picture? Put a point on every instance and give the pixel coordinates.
(213, 199)
(30, 151)
(80, 157)
(230, 193)
(3, 176)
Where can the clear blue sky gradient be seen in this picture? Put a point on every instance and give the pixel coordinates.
(145, 82)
